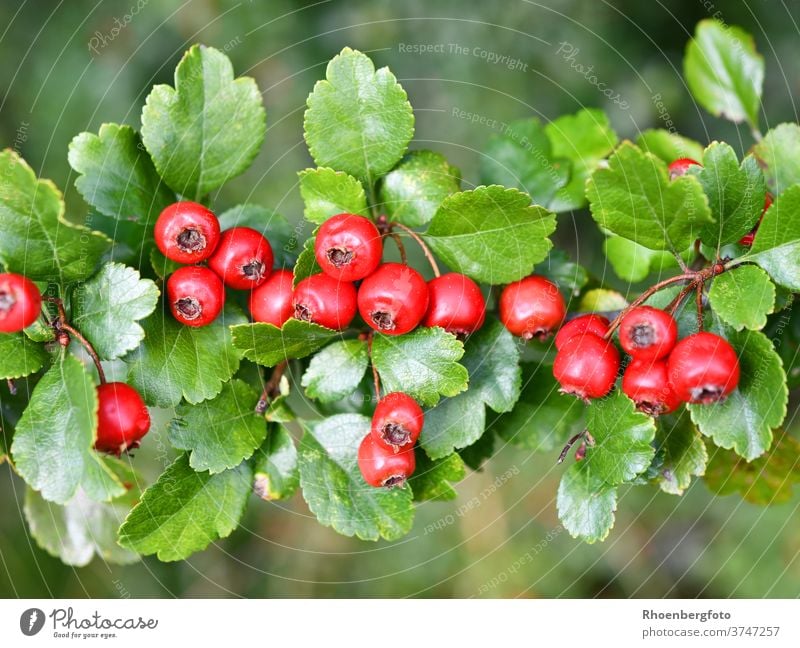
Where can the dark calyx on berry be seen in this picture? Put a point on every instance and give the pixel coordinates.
(394, 480)
(707, 394)
(643, 335)
(302, 312)
(395, 434)
(191, 240)
(255, 270)
(189, 307)
(383, 320)
(7, 301)
(339, 256)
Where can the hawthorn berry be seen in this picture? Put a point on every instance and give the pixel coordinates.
(703, 368)
(532, 307)
(586, 366)
(348, 247)
(323, 300)
(382, 466)
(397, 421)
(271, 302)
(680, 166)
(747, 239)
(187, 232)
(243, 259)
(393, 299)
(647, 384)
(196, 295)
(20, 302)
(648, 333)
(455, 303)
(122, 418)
(589, 324)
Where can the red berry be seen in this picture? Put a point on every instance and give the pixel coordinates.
(20, 302)
(589, 324)
(382, 466)
(397, 421)
(747, 239)
(646, 384)
(680, 166)
(243, 258)
(187, 232)
(271, 302)
(703, 368)
(586, 366)
(532, 307)
(122, 418)
(323, 300)
(648, 333)
(393, 299)
(455, 303)
(348, 247)
(196, 295)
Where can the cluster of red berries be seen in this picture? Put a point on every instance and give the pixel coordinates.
(680, 166)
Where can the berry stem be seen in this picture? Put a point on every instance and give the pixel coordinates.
(375, 377)
(271, 387)
(425, 249)
(699, 302)
(400, 247)
(570, 443)
(61, 325)
(647, 294)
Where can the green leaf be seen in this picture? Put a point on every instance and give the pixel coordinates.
(635, 198)
(358, 119)
(108, 307)
(423, 364)
(669, 146)
(182, 362)
(724, 72)
(336, 371)
(162, 266)
(19, 356)
(491, 234)
(777, 153)
(413, 191)
(601, 300)
(52, 448)
(776, 247)
(80, 529)
(620, 445)
(570, 277)
(221, 432)
(268, 345)
(306, 262)
(184, 511)
(634, 262)
(745, 420)
(680, 453)
(492, 360)
(208, 128)
(275, 466)
(543, 419)
(432, 479)
(768, 480)
(478, 453)
(327, 192)
(271, 224)
(584, 139)
(116, 175)
(735, 194)
(586, 504)
(522, 157)
(37, 239)
(743, 297)
(335, 490)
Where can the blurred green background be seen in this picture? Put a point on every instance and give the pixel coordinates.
(507, 543)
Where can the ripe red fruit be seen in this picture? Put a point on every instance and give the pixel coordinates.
(703, 368)
(397, 421)
(196, 295)
(455, 303)
(589, 324)
(271, 302)
(393, 299)
(747, 239)
(323, 300)
(381, 466)
(646, 384)
(532, 307)
(680, 166)
(648, 333)
(586, 366)
(187, 232)
(243, 259)
(20, 302)
(348, 247)
(122, 419)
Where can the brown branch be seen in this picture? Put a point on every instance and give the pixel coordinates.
(271, 387)
(63, 326)
(400, 247)
(699, 302)
(425, 249)
(647, 294)
(375, 377)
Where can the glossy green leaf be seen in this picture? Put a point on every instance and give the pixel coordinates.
(336, 371)
(586, 504)
(634, 262)
(570, 277)
(669, 146)
(275, 466)
(268, 345)
(680, 453)
(327, 192)
(280, 234)
(306, 262)
(19, 356)
(777, 153)
(432, 480)
(743, 297)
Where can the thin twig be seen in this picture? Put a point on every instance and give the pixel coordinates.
(425, 249)
(675, 303)
(375, 377)
(400, 247)
(271, 386)
(570, 443)
(647, 294)
(61, 324)
(699, 302)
